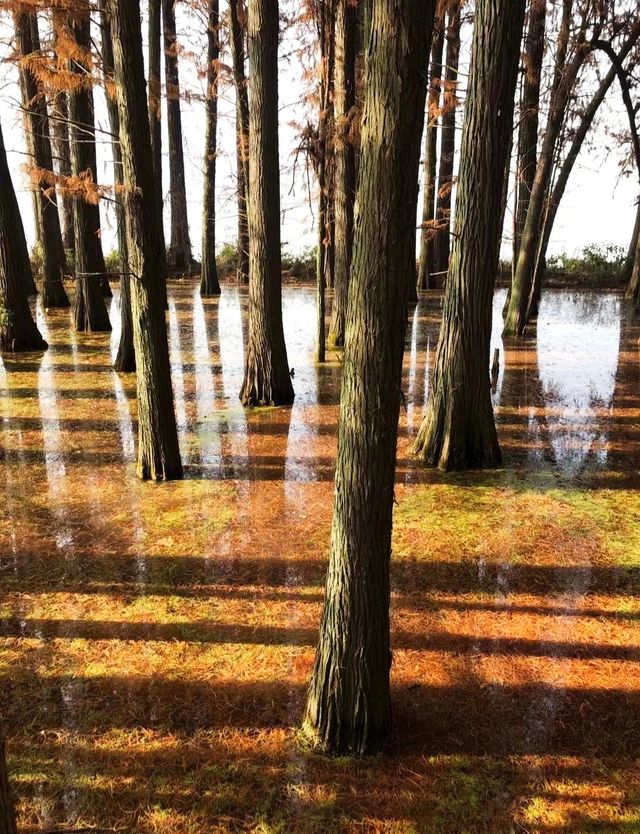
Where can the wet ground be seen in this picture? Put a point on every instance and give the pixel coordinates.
(156, 640)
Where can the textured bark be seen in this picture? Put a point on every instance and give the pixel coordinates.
(7, 813)
(345, 164)
(442, 242)
(158, 451)
(39, 146)
(18, 331)
(90, 311)
(348, 707)
(180, 245)
(155, 102)
(62, 158)
(126, 356)
(527, 147)
(633, 291)
(209, 284)
(565, 75)
(458, 430)
(238, 16)
(266, 374)
(425, 265)
(631, 278)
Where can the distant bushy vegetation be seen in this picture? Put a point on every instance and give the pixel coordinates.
(299, 266)
(597, 265)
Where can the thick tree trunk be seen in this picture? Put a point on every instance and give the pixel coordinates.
(126, 357)
(158, 451)
(238, 14)
(154, 96)
(442, 242)
(18, 331)
(7, 813)
(266, 375)
(90, 311)
(345, 163)
(632, 278)
(348, 707)
(209, 284)
(39, 145)
(458, 430)
(425, 265)
(180, 246)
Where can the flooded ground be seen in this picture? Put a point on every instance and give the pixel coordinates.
(156, 640)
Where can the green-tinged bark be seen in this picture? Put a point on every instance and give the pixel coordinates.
(158, 451)
(266, 374)
(209, 284)
(238, 15)
(18, 331)
(348, 707)
(458, 430)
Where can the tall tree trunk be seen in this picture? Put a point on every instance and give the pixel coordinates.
(155, 96)
(7, 813)
(126, 357)
(18, 331)
(565, 75)
(158, 450)
(180, 247)
(346, 38)
(39, 145)
(266, 375)
(630, 260)
(348, 706)
(425, 265)
(209, 284)
(527, 148)
(442, 242)
(62, 154)
(458, 430)
(238, 14)
(633, 291)
(90, 311)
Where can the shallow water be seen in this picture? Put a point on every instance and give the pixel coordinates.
(156, 640)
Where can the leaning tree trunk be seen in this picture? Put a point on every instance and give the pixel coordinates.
(180, 245)
(348, 705)
(266, 374)
(158, 450)
(346, 37)
(39, 145)
(209, 284)
(90, 311)
(442, 242)
(7, 813)
(238, 14)
(126, 356)
(458, 431)
(425, 266)
(18, 331)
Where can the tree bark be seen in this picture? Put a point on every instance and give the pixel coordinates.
(18, 331)
(348, 707)
(7, 813)
(209, 284)
(238, 14)
(180, 246)
(154, 96)
(39, 146)
(425, 265)
(62, 154)
(631, 279)
(90, 311)
(346, 37)
(266, 375)
(458, 430)
(442, 242)
(158, 450)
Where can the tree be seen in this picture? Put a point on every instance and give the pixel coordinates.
(266, 375)
(458, 430)
(90, 311)
(209, 284)
(238, 14)
(39, 145)
(125, 357)
(158, 450)
(18, 331)
(346, 33)
(154, 95)
(425, 265)
(348, 706)
(441, 243)
(7, 813)
(180, 245)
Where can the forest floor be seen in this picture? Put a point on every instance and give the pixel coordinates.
(156, 641)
